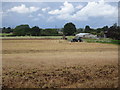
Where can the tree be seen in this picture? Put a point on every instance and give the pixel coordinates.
(69, 29)
(22, 30)
(105, 28)
(3, 30)
(87, 29)
(114, 32)
(49, 32)
(7, 30)
(80, 30)
(35, 31)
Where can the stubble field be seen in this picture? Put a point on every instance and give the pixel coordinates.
(59, 64)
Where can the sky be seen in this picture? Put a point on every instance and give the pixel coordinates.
(57, 14)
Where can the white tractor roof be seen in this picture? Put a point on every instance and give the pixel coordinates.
(81, 34)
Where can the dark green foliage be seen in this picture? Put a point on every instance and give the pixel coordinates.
(22, 30)
(100, 32)
(69, 29)
(7, 30)
(49, 32)
(35, 31)
(80, 30)
(87, 29)
(114, 32)
(105, 28)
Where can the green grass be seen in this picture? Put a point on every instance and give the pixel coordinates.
(70, 38)
(5, 34)
(103, 40)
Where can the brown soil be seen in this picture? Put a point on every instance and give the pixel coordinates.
(59, 64)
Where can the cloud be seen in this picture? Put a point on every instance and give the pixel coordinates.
(66, 8)
(51, 19)
(30, 16)
(91, 10)
(96, 9)
(79, 7)
(40, 14)
(35, 19)
(1, 12)
(23, 9)
(45, 9)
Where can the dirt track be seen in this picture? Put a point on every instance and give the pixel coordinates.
(59, 64)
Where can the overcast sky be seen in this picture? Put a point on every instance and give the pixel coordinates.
(56, 14)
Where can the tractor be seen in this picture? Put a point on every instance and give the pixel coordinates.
(77, 39)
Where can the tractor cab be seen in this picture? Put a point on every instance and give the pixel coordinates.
(76, 39)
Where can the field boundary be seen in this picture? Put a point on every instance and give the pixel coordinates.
(30, 38)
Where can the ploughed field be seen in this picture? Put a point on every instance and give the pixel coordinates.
(59, 64)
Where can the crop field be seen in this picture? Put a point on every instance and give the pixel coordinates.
(53, 63)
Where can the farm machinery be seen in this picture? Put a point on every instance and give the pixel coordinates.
(77, 39)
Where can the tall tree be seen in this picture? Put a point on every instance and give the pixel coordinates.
(69, 29)
(35, 31)
(22, 30)
(114, 32)
(87, 29)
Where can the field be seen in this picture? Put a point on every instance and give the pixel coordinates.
(59, 64)
(100, 40)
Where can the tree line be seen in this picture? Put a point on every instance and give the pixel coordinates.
(25, 30)
(68, 29)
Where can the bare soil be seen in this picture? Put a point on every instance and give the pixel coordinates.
(59, 64)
